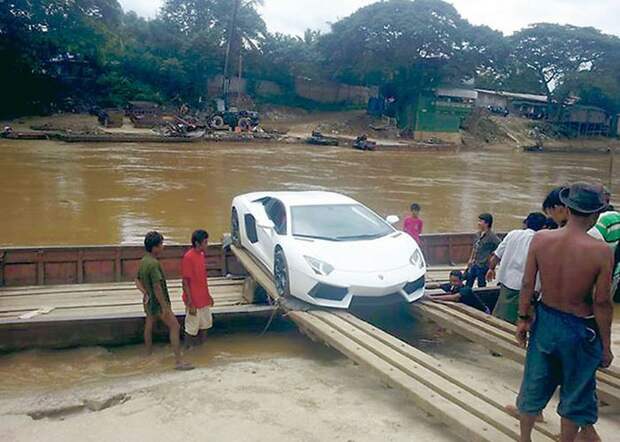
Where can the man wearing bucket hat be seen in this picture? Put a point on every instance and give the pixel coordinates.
(569, 339)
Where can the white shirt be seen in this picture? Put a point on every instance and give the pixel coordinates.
(512, 252)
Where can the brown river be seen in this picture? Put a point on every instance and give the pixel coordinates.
(57, 193)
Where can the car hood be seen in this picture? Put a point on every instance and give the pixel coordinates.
(387, 253)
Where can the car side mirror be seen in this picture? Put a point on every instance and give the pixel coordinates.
(392, 219)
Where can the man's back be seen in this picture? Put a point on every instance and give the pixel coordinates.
(569, 263)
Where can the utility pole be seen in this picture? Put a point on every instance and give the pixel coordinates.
(240, 77)
(612, 154)
(231, 37)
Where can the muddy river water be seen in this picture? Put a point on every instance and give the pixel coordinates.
(58, 193)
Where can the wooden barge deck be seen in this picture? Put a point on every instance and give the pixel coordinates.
(57, 297)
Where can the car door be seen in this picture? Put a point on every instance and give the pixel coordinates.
(256, 222)
(273, 226)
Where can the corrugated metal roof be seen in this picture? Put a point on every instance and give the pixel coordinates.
(529, 97)
(457, 92)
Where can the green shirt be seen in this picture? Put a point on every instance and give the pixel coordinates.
(607, 229)
(485, 245)
(608, 225)
(151, 273)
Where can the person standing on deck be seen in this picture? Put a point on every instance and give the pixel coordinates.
(413, 224)
(570, 336)
(196, 296)
(607, 229)
(151, 281)
(555, 208)
(486, 243)
(512, 252)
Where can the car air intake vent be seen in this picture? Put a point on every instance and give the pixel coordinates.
(330, 292)
(381, 301)
(411, 287)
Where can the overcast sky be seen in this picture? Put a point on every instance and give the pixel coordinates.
(294, 16)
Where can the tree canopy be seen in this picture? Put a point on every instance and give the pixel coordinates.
(398, 44)
(378, 40)
(553, 52)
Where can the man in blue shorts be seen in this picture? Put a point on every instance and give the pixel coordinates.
(570, 336)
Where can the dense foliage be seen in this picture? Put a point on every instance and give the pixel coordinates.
(71, 53)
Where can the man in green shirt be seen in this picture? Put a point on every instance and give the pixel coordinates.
(151, 281)
(484, 246)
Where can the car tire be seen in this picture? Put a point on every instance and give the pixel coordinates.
(235, 230)
(281, 274)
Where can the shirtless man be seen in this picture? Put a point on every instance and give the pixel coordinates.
(571, 335)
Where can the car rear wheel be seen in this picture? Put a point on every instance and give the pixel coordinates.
(280, 273)
(235, 231)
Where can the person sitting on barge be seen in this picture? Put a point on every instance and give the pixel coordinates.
(457, 291)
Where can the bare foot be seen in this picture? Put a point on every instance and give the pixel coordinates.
(514, 412)
(588, 434)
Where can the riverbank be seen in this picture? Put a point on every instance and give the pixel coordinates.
(294, 126)
(280, 399)
(278, 387)
(289, 126)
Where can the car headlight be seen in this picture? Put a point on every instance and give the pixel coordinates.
(319, 267)
(417, 259)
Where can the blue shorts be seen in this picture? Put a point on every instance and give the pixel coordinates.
(565, 351)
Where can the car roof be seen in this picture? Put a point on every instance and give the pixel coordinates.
(305, 198)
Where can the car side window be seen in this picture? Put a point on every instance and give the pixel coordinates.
(250, 228)
(277, 214)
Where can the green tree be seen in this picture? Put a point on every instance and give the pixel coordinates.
(33, 34)
(553, 52)
(376, 41)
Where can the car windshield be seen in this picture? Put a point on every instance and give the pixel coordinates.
(338, 222)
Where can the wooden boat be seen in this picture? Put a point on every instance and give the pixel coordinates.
(35, 266)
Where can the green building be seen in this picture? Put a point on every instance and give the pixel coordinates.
(437, 115)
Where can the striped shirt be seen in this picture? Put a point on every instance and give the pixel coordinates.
(607, 229)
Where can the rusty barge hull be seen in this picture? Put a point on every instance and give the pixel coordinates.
(35, 266)
(58, 297)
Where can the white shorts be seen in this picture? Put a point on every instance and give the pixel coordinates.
(202, 320)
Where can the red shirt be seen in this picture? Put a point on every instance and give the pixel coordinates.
(413, 226)
(194, 269)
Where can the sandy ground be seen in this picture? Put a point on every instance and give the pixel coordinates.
(280, 399)
(245, 388)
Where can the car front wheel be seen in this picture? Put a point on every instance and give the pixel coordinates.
(280, 273)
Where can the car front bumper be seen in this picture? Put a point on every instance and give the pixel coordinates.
(338, 289)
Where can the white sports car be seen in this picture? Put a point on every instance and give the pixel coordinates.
(328, 249)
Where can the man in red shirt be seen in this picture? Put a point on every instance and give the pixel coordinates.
(196, 296)
(413, 224)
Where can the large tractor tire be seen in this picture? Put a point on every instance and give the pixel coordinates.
(217, 122)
